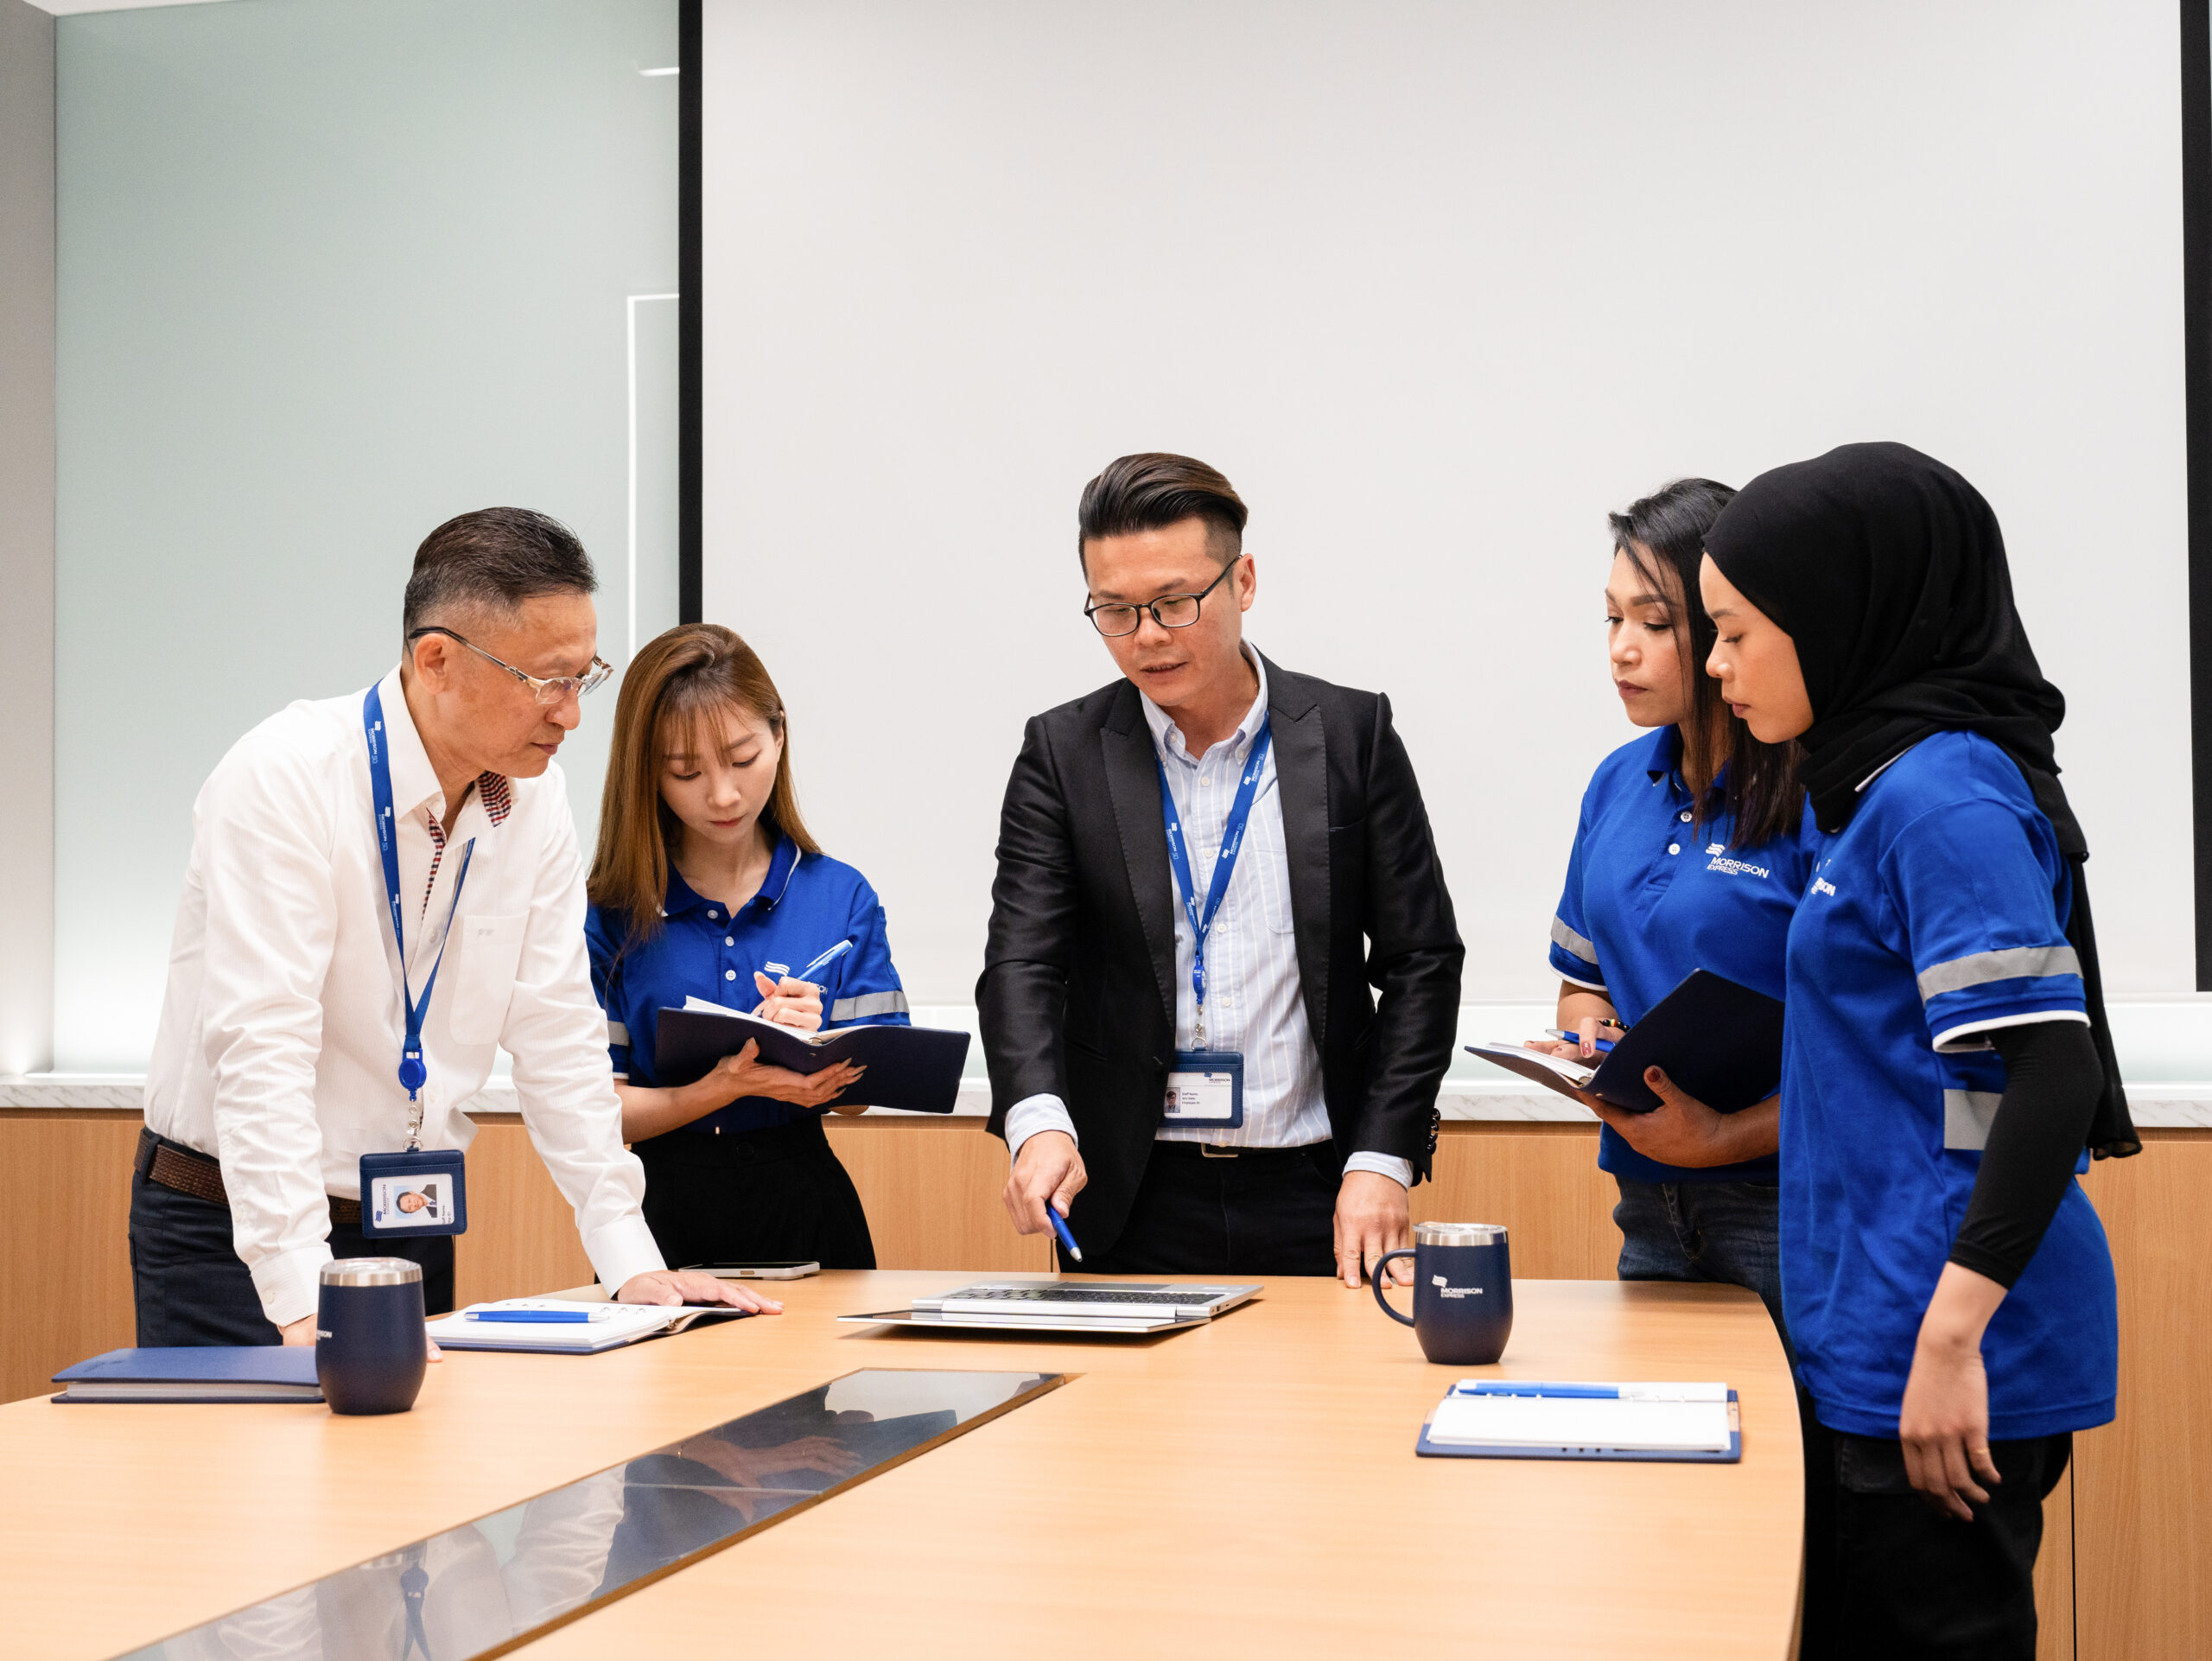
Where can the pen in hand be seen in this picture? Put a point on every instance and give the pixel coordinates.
(822, 962)
(1061, 1227)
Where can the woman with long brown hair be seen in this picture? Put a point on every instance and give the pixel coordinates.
(706, 885)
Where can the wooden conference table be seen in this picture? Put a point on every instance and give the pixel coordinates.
(1248, 1488)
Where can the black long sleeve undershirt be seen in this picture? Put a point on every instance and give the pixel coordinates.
(2052, 1081)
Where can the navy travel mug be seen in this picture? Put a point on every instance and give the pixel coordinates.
(371, 1349)
(1463, 1292)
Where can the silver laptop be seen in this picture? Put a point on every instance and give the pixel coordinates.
(1071, 1305)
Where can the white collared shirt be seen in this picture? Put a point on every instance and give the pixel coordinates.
(1255, 1004)
(278, 1050)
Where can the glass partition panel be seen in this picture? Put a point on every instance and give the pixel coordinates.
(331, 271)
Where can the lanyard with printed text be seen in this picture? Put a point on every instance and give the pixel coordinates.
(412, 1072)
(1224, 861)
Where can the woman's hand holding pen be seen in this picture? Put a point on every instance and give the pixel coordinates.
(794, 1002)
(788, 1002)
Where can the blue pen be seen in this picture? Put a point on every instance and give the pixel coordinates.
(1529, 1387)
(1605, 1045)
(529, 1317)
(826, 958)
(1060, 1228)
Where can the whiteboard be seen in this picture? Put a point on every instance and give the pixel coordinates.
(1436, 285)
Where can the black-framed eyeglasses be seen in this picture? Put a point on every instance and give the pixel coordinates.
(546, 689)
(1169, 611)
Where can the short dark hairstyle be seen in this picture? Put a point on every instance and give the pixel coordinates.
(493, 560)
(1761, 788)
(1152, 491)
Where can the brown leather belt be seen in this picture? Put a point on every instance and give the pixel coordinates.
(188, 1171)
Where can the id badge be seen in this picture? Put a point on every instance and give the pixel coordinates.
(1206, 1088)
(421, 1192)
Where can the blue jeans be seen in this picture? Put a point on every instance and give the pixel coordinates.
(1727, 1232)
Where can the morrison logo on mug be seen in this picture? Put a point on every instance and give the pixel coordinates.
(1463, 1292)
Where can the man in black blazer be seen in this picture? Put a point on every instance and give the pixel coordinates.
(1309, 876)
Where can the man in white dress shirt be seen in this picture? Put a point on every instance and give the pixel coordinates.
(276, 1064)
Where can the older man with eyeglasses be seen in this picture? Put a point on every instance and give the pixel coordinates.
(384, 890)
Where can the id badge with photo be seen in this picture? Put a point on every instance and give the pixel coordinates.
(425, 1192)
(1206, 1088)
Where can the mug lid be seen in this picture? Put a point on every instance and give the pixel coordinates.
(369, 1271)
(1459, 1234)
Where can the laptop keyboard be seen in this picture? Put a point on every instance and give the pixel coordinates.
(1071, 1295)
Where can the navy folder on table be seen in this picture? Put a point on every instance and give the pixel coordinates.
(208, 1372)
(1716, 1039)
(917, 1068)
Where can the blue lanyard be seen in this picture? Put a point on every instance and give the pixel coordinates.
(412, 1072)
(1225, 861)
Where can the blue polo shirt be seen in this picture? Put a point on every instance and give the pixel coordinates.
(808, 903)
(1936, 916)
(1651, 895)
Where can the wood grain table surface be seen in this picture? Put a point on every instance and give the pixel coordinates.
(1246, 1488)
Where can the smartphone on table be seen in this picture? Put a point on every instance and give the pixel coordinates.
(791, 1270)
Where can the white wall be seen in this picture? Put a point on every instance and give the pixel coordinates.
(1436, 285)
(331, 271)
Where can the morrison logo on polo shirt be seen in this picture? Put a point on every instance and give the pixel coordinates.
(1727, 867)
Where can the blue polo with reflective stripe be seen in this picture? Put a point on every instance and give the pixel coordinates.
(808, 903)
(1650, 895)
(1936, 917)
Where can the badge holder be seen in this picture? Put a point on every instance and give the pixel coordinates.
(1206, 1088)
(422, 1190)
(419, 1192)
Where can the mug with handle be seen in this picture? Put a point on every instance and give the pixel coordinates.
(1463, 1291)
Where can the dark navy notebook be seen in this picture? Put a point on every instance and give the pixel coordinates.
(213, 1372)
(1718, 1040)
(917, 1068)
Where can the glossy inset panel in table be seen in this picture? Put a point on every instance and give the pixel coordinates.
(478, 1589)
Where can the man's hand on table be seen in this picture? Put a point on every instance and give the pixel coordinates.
(301, 1333)
(673, 1286)
(1372, 1218)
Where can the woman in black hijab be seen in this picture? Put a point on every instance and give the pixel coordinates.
(1947, 1054)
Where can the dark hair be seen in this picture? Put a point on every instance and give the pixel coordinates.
(1152, 491)
(493, 560)
(1761, 790)
(692, 670)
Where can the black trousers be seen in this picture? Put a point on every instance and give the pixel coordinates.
(1887, 1575)
(190, 1288)
(761, 1196)
(1269, 1211)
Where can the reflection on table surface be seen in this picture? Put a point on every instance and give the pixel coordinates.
(469, 1590)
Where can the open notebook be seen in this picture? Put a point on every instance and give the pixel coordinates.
(917, 1068)
(1518, 1418)
(602, 1326)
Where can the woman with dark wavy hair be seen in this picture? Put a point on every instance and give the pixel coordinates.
(1691, 852)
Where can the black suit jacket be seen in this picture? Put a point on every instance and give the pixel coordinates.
(1077, 993)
